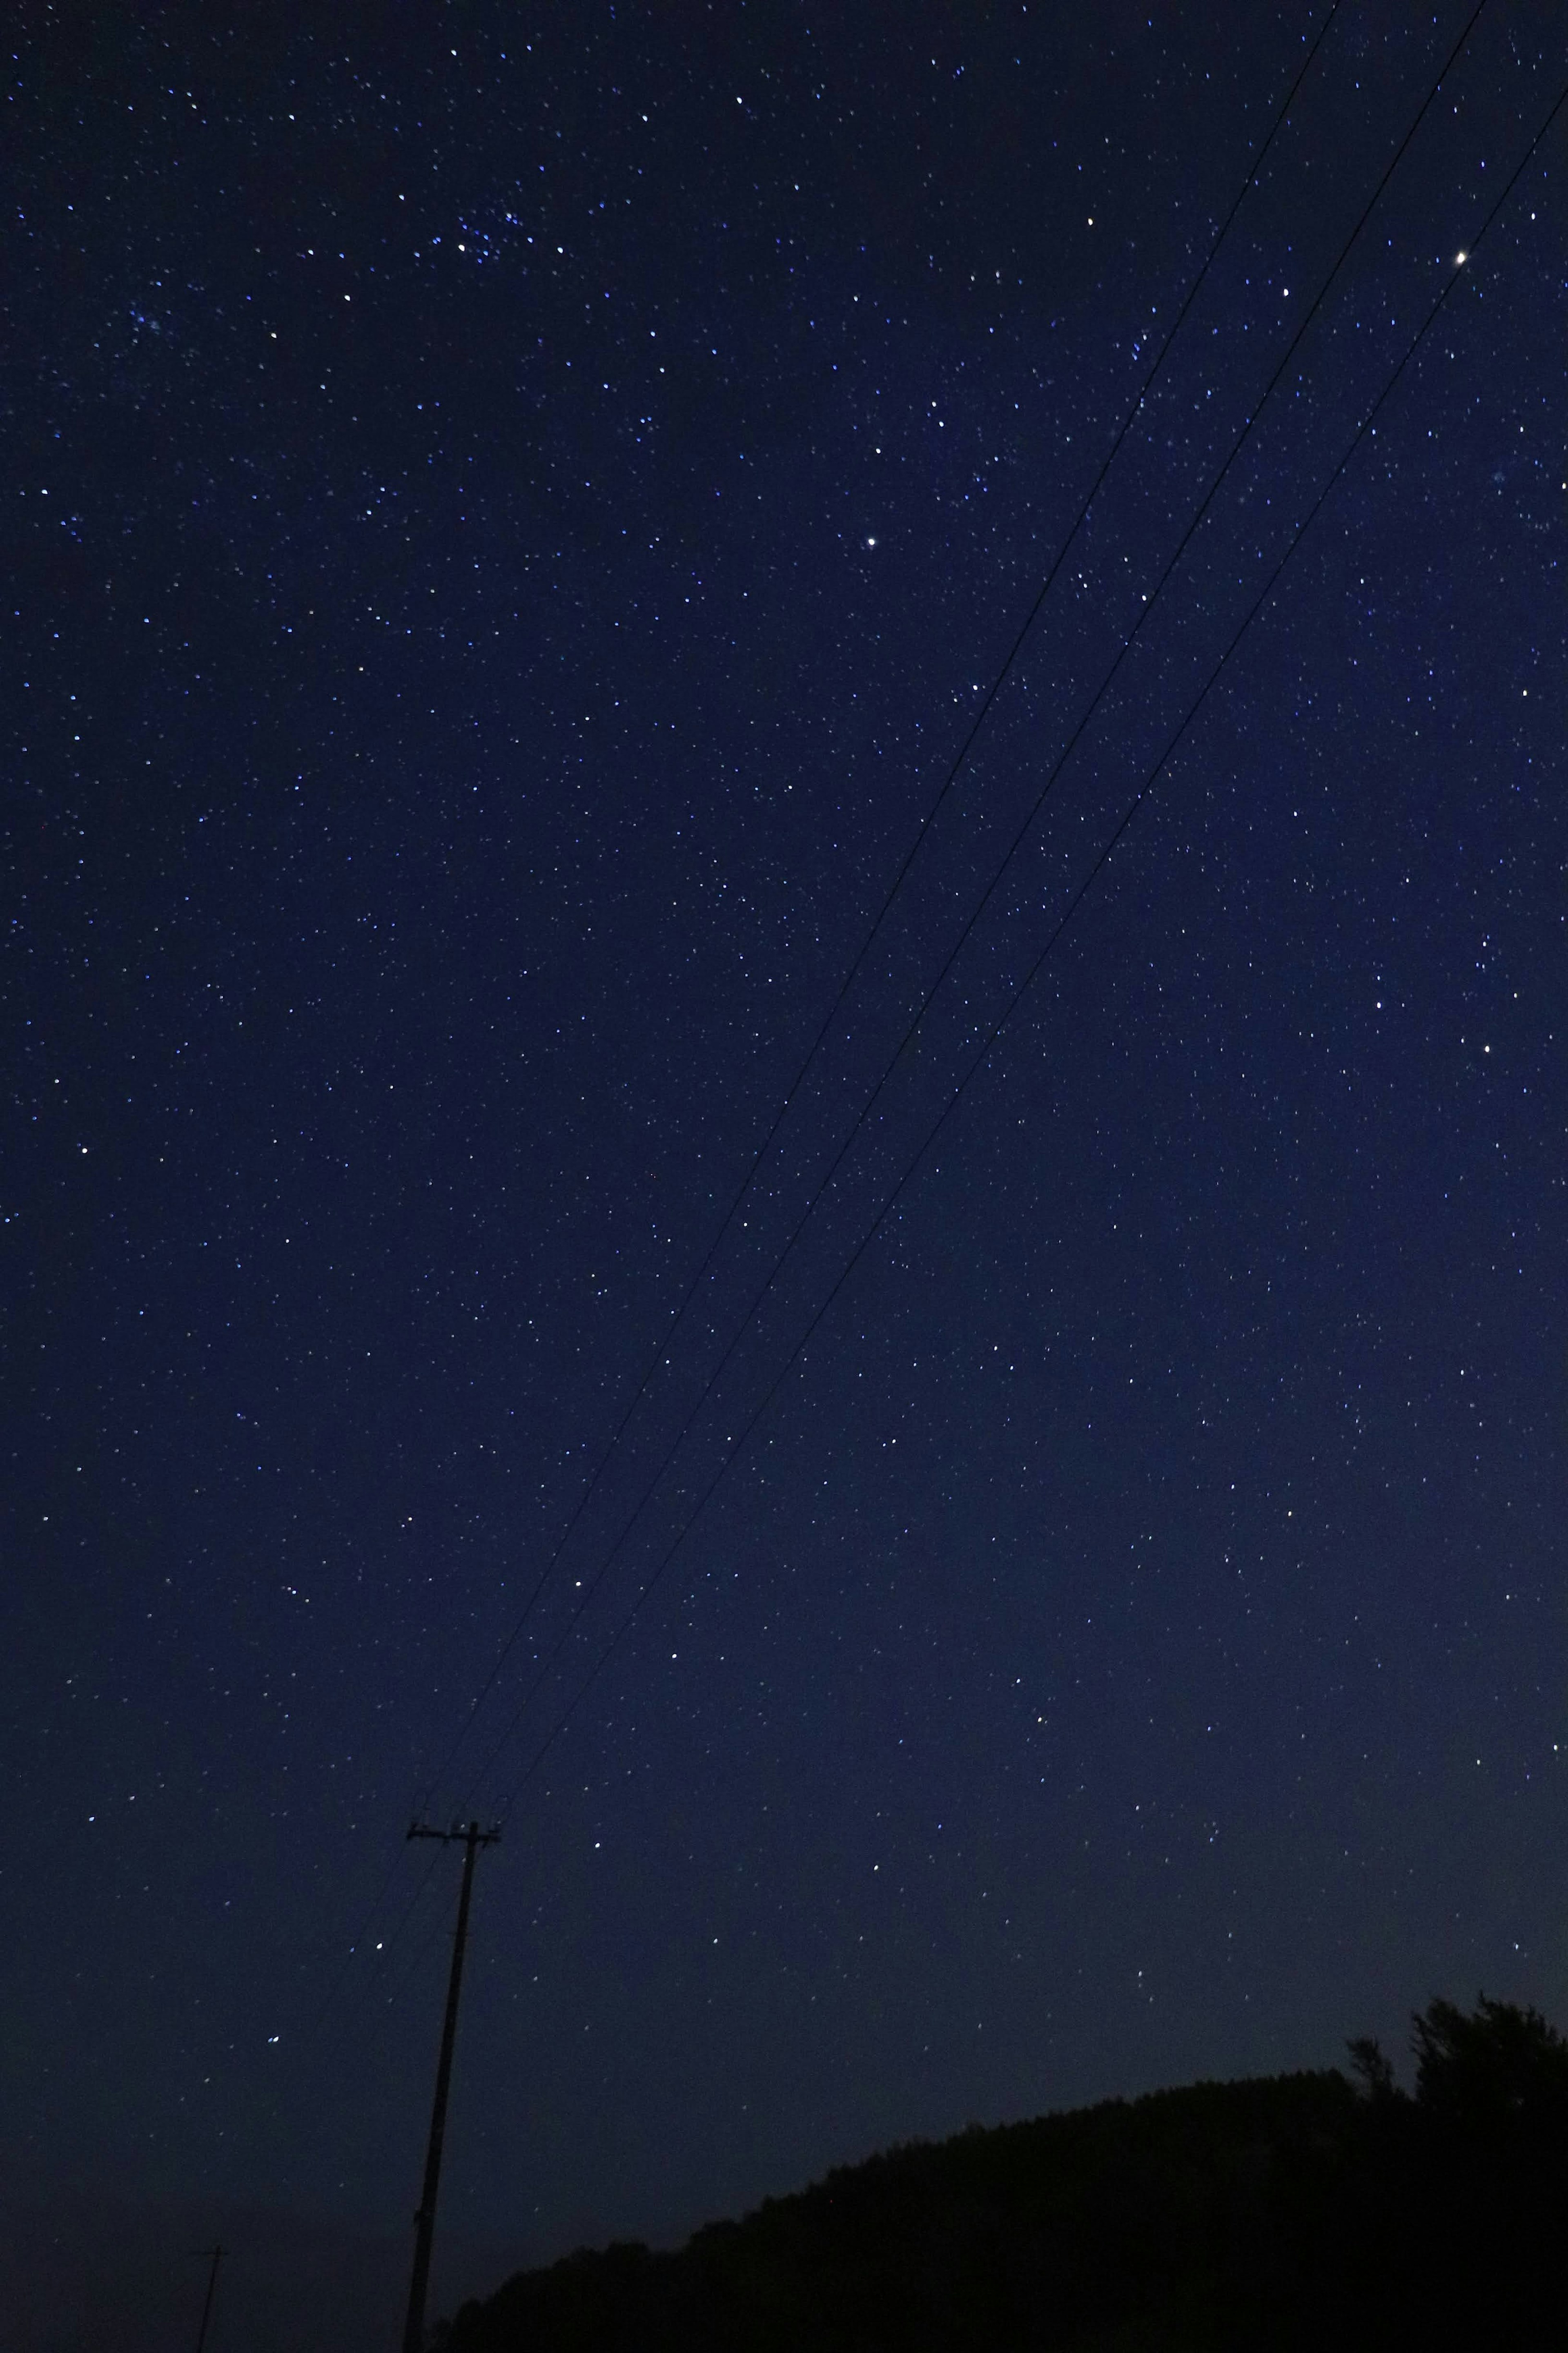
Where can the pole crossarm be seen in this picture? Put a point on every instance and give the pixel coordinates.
(461, 1833)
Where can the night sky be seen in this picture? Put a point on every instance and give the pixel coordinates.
(512, 515)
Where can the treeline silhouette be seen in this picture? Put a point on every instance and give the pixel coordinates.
(1311, 2210)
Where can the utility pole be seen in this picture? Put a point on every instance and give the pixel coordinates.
(471, 1838)
(212, 2291)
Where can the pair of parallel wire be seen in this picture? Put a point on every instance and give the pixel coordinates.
(545, 1667)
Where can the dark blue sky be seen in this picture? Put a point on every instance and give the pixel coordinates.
(513, 513)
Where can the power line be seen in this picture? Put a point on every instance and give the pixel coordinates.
(1019, 837)
(845, 988)
(984, 1053)
(1107, 850)
(895, 887)
(861, 956)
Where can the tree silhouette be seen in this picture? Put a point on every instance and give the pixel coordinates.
(1289, 2212)
(1372, 2067)
(1501, 2066)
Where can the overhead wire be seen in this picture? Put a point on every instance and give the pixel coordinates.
(950, 780)
(591, 1586)
(983, 1056)
(858, 964)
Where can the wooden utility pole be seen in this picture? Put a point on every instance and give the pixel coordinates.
(207, 2305)
(471, 1839)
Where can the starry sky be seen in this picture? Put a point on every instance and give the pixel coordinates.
(514, 512)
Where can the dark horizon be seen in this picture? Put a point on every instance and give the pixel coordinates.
(514, 516)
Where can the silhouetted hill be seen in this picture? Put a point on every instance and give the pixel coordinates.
(1291, 2212)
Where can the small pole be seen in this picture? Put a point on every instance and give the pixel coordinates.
(471, 1839)
(207, 2305)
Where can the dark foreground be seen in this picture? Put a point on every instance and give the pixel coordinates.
(1301, 2211)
